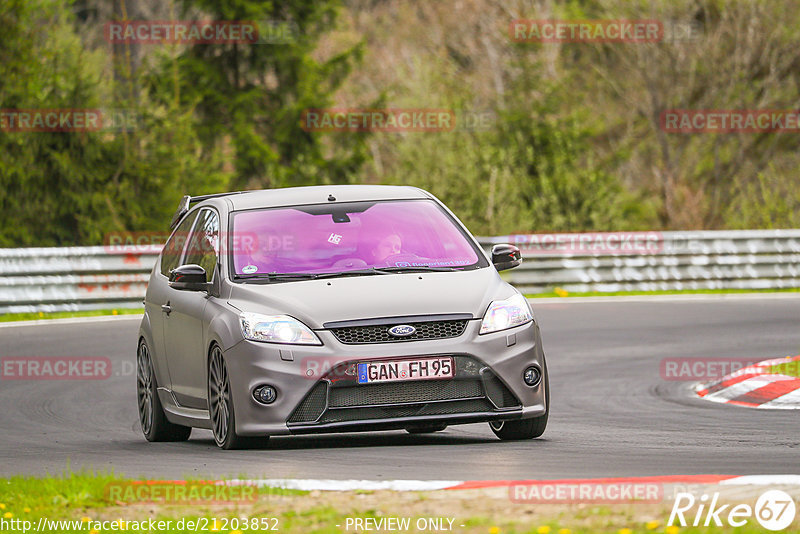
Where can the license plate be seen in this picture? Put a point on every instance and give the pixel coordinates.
(398, 370)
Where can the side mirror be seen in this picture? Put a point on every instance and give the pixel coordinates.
(506, 257)
(189, 278)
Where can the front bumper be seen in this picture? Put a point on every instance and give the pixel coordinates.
(299, 372)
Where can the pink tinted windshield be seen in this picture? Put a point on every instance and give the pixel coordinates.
(344, 237)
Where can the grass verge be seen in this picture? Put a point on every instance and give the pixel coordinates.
(7, 317)
(84, 499)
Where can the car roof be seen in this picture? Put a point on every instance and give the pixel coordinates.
(320, 194)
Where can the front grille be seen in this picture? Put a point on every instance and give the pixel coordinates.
(498, 393)
(355, 335)
(312, 406)
(405, 392)
(474, 389)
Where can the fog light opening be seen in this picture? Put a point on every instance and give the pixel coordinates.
(265, 394)
(532, 376)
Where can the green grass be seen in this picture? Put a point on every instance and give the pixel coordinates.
(6, 317)
(558, 292)
(84, 498)
(788, 369)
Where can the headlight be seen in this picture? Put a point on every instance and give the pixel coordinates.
(276, 329)
(503, 314)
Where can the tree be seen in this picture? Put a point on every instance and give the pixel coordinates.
(249, 98)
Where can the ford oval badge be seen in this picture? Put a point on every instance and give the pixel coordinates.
(402, 330)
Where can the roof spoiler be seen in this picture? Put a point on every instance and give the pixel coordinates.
(187, 201)
(183, 207)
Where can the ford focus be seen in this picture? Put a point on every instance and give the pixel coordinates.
(334, 309)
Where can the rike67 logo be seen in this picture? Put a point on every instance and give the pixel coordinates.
(774, 510)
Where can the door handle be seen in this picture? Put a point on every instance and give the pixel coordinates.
(166, 308)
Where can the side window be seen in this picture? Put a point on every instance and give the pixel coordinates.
(175, 245)
(204, 242)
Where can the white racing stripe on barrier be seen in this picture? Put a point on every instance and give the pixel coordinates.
(351, 485)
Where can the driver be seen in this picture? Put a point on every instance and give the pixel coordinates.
(388, 246)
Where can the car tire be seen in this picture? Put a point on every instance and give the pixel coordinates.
(154, 423)
(425, 429)
(220, 407)
(525, 428)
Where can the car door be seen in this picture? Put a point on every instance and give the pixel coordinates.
(184, 324)
(157, 300)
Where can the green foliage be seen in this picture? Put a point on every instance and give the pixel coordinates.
(575, 144)
(253, 96)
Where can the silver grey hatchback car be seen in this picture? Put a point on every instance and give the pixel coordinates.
(333, 309)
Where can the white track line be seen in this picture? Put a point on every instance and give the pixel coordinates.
(352, 485)
(434, 485)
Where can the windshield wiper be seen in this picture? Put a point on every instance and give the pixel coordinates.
(415, 268)
(386, 270)
(277, 276)
(354, 272)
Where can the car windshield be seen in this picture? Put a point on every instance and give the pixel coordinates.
(335, 238)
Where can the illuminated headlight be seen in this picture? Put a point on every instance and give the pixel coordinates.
(276, 329)
(503, 314)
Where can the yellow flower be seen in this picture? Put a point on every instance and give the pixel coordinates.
(561, 292)
(651, 525)
(2, 506)
(26, 510)
(544, 529)
(236, 532)
(8, 515)
(93, 531)
(114, 312)
(494, 530)
(672, 529)
(85, 519)
(624, 531)
(564, 531)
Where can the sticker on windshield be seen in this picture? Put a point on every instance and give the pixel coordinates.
(249, 269)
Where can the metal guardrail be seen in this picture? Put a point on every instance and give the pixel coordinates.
(73, 278)
(85, 278)
(744, 259)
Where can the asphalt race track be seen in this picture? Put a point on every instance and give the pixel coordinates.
(612, 414)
